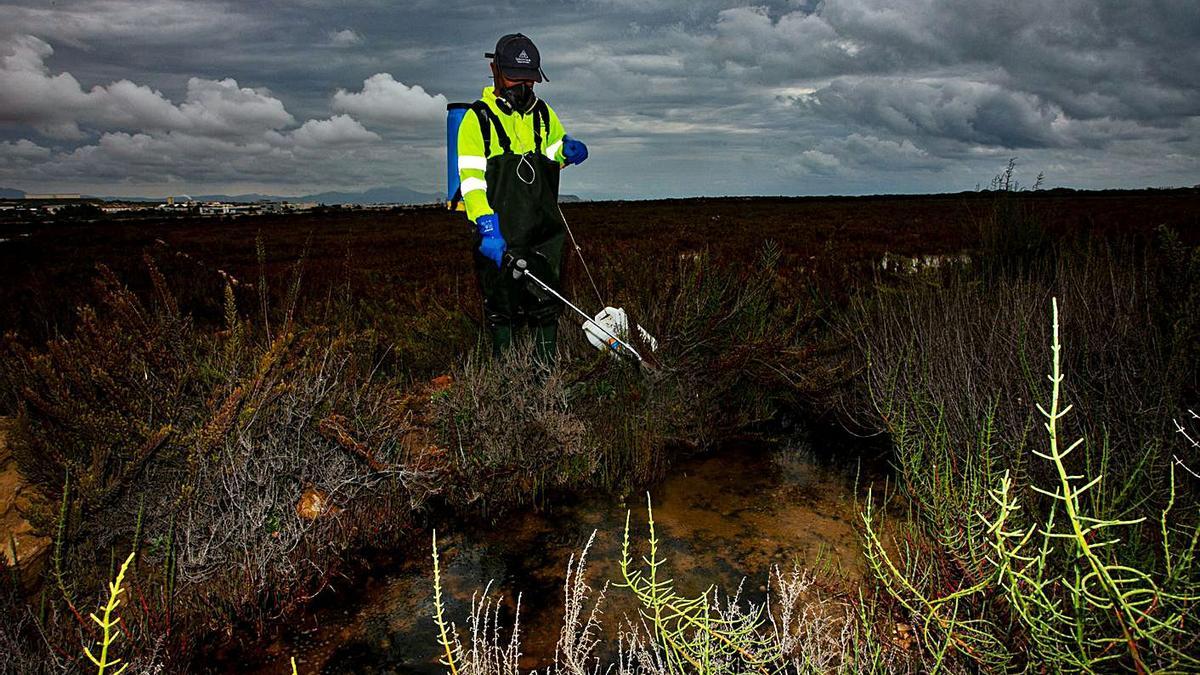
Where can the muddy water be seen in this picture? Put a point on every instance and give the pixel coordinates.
(722, 518)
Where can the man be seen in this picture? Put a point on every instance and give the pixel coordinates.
(510, 152)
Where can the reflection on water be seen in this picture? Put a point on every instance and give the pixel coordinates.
(721, 518)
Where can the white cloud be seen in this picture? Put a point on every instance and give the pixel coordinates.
(147, 158)
(30, 95)
(220, 130)
(224, 108)
(321, 153)
(385, 101)
(141, 157)
(747, 37)
(339, 130)
(126, 105)
(57, 106)
(344, 38)
(859, 154)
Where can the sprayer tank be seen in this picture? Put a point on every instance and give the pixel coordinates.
(454, 117)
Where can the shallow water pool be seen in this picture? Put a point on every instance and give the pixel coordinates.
(725, 518)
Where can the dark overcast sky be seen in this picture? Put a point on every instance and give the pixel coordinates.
(673, 98)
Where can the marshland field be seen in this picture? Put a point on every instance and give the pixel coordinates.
(879, 434)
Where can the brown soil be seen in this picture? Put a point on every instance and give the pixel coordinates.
(17, 532)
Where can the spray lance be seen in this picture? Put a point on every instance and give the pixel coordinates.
(606, 330)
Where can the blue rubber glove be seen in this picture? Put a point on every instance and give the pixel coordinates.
(574, 152)
(493, 244)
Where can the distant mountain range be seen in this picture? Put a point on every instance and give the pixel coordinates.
(377, 195)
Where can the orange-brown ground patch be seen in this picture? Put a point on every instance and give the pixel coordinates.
(16, 531)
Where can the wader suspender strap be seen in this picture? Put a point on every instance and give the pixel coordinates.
(540, 111)
(488, 119)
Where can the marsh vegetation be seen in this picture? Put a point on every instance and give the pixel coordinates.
(254, 418)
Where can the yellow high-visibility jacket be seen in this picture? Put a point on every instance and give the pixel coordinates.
(473, 157)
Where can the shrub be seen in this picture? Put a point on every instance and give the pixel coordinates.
(25, 653)
(509, 427)
(95, 408)
(201, 450)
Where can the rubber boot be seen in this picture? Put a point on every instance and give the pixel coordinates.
(545, 339)
(502, 337)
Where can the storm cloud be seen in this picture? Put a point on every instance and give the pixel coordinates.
(706, 97)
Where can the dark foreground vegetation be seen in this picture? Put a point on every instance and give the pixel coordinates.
(247, 409)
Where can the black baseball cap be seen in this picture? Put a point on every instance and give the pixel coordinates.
(517, 57)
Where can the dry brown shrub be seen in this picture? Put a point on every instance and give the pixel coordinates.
(194, 448)
(512, 433)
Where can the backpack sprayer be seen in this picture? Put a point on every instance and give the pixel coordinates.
(609, 330)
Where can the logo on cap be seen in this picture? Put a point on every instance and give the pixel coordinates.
(523, 58)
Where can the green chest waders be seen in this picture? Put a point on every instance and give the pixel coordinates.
(523, 191)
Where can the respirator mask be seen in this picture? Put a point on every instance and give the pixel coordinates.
(519, 97)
